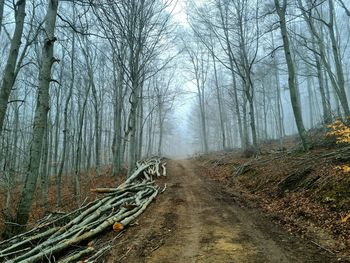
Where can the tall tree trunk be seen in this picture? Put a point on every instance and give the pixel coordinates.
(2, 4)
(97, 129)
(279, 107)
(245, 124)
(13, 159)
(293, 89)
(218, 97)
(57, 120)
(160, 119)
(337, 59)
(132, 136)
(140, 126)
(40, 119)
(202, 117)
(77, 167)
(65, 126)
(89, 65)
(44, 171)
(337, 79)
(310, 100)
(118, 101)
(265, 112)
(327, 114)
(10, 68)
(250, 99)
(149, 133)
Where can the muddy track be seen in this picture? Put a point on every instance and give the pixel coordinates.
(195, 220)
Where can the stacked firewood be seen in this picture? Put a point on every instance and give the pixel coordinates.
(72, 234)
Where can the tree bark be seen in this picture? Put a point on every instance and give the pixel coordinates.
(77, 167)
(233, 74)
(65, 125)
(218, 97)
(293, 89)
(44, 171)
(118, 101)
(40, 119)
(9, 76)
(337, 59)
(2, 4)
(337, 78)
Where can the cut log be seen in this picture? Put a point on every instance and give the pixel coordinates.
(117, 209)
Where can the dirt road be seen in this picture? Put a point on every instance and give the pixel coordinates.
(195, 220)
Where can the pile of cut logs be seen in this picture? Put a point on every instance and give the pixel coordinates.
(72, 234)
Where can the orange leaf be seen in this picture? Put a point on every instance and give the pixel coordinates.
(117, 227)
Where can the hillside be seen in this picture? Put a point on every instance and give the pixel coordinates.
(305, 192)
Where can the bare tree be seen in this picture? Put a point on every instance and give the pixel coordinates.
(10, 68)
(141, 26)
(40, 119)
(311, 15)
(199, 58)
(281, 9)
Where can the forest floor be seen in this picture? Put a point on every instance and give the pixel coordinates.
(282, 206)
(198, 219)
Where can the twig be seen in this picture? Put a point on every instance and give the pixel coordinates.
(326, 249)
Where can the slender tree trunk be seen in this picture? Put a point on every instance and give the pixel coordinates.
(40, 119)
(202, 117)
(90, 145)
(337, 59)
(118, 83)
(77, 168)
(327, 115)
(346, 8)
(310, 101)
(279, 107)
(97, 129)
(293, 89)
(140, 126)
(132, 127)
(13, 160)
(337, 79)
(234, 86)
(57, 120)
(9, 76)
(264, 112)
(149, 133)
(238, 112)
(218, 97)
(160, 119)
(2, 4)
(89, 66)
(245, 124)
(250, 99)
(65, 126)
(44, 171)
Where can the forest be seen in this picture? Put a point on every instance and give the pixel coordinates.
(89, 88)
